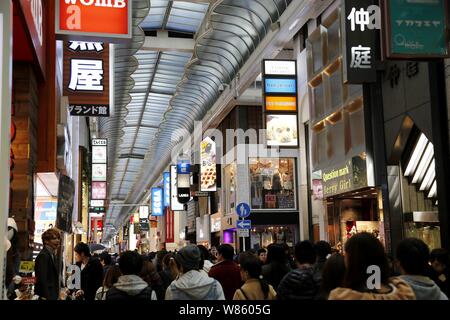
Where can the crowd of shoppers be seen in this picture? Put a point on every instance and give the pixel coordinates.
(362, 271)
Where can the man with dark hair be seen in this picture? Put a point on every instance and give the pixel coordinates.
(323, 249)
(226, 271)
(412, 256)
(192, 283)
(46, 266)
(302, 283)
(130, 286)
(91, 272)
(439, 259)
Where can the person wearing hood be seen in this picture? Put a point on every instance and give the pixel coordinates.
(412, 256)
(192, 283)
(91, 272)
(130, 285)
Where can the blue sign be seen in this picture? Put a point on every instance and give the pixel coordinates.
(281, 86)
(157, 202)
(244, 224)
(243, 210)
(166, 178)
(183, 168)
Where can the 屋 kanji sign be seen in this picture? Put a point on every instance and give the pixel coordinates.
(360, 19)
(86, 78)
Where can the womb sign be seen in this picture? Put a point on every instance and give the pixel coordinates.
(96, 18)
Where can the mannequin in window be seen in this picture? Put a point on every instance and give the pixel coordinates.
(276, 181)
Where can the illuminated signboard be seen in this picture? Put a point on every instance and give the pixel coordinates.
(98, 190)
(280, 85)
(166, 177)
(143, 212)
(98, 154)
(280, 67)
(157, 202)
(208, 174)
(275, 103)
(97, 203)
(282, 130)
(175, 205)
(85, 18)
(99, 172)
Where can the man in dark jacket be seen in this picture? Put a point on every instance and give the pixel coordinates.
(302, 283)
(323, 250)
(46, 266)
(130, 286)
(91, 271)
(226, 271)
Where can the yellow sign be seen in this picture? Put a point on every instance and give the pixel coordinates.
(26, 266)
(136, 218)
(281, 103)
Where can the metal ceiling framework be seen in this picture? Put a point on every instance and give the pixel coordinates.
(230, 33)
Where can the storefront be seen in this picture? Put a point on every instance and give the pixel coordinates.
(216, 226)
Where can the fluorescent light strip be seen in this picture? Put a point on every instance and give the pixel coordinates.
(424, 162)
(433, 190)
(429, 177)
(418, 151)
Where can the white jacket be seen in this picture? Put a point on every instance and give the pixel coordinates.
(195, 285)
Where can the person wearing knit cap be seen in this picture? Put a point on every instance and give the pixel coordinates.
(191, 283)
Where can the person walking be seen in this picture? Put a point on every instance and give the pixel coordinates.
(91, 272)
(166, 274)
(262, 256)
(333, 273)
(439, 259)
(226, 271)
(192, 283)
(46, 267)
(206, 263)
(130, 286)
(413, 256)
(302, 283)
(255, 286)
(106, 261)
(149, 275)
(111, 277)
(323, 250)
(362, 251)
(277, 265)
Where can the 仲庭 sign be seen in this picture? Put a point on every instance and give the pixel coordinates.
(86, 78)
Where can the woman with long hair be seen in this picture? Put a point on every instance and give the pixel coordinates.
(111, 277)
(255, 287)
(367, 273)
(277, 265)
(149, 275)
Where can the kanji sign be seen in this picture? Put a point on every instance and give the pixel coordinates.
(360, 19)
(77, 19)
(86, 78)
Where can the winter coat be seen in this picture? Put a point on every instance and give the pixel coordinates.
(195, 285)
(166, 278)
(91, 278)
(400, 290)
(300, 284)
(251, 290)
(46, 271)
(424, 288)
(227, 272)
(131, 287)
(274, 272)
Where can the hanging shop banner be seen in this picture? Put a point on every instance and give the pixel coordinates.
(166, 178)
(281, 86)
(125, 234)
(352, 175)
(157, 202)
(96, 215)
(416, 29)
(97, 203)
(99, 154)
(86, 78)
(144, 224)
(66, 194)
(280, 67)
(275, 103)
(183, 180)
(98, 190)
(174, 204)
(99, 223)
(34, 12)
(82, 19)
(99, 172)
(282, 130)
(208, 174)
(360, 21)
(144, 212)
(170, 226)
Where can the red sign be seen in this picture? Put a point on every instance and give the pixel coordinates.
(170, 226)
(87, 18)
(34, 14)
(99, 224)
(28, 280)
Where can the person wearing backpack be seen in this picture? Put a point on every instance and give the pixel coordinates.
(130, 286)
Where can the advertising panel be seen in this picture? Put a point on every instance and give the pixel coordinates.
(208, 174)
(157, 202)
(282, 130)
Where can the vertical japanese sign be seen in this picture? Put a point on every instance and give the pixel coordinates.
(64, 210)
(83, 18)
(166, 178)
(416, 29)
(360, 21)
(280, 102)
(174, 204)
(170, 226)
(208, 173)
(157, 202)
(86, 78)
(99, 168)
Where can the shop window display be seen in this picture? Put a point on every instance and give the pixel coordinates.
(230, 188)
(263, 236)
(272, 183)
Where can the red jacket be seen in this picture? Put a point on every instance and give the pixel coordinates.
(228, 274)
